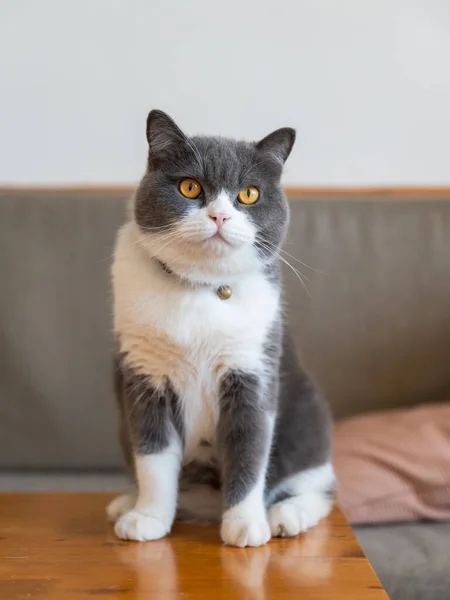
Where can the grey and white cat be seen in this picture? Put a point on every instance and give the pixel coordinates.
(216, 413)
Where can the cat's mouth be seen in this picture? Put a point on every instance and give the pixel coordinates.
(225, 242)
(218, 237)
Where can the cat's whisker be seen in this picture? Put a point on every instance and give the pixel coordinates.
(250, 168)
(200, 158)
(160, 241)
(301, 262)
(177, 240)
(194, 149)
(274, 247)
(300, 276)
(280, 257)
(150, 244)
(159, 228)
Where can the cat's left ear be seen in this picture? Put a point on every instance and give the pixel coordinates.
(279, 144)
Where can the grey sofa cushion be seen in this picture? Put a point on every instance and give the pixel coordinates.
(56, 406)
(412, 561)
(375, 331)
(63, 481)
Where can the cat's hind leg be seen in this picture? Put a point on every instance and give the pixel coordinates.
(301, 501)
(120, 505)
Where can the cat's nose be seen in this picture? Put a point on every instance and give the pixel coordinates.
(219, 218)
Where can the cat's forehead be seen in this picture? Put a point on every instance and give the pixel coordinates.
(220, 161)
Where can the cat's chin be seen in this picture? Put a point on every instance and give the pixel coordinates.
(221, 246)
(217, 238)
(213, 263)
(206, 259)
(216, 247)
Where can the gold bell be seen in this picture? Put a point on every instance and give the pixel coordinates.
(224, 292)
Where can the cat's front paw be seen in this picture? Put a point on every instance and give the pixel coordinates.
(245, 531)
(139, 526)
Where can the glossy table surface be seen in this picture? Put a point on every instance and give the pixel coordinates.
(59, 546)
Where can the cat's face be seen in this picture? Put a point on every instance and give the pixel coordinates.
(211, 206)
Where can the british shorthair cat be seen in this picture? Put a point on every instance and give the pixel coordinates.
(217, 417)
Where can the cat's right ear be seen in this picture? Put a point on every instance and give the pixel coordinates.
(163, 134)
(278, 144)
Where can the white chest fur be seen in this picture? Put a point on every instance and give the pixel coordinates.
(186, 334)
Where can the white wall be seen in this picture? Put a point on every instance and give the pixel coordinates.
(366, 83)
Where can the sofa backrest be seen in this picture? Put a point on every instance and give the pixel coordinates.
(374, 330)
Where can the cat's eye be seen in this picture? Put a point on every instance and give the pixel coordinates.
(190, 188)
(248, 195)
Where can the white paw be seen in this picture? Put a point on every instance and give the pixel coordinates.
(141, 527)
(298, 514)
(287, 520)
(119, 506)
(245, 531)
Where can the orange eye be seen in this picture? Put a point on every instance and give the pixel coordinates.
(248, 195)
(190, 188)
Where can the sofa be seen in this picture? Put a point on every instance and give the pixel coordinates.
(373, 329)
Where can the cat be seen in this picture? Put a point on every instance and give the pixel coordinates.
(217, 417)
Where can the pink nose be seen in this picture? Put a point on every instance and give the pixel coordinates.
(219, 218)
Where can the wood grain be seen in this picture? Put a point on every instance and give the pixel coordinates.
(59, 546)
(400, 192)
(369, 192)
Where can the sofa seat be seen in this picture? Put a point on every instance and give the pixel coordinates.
(412, 560)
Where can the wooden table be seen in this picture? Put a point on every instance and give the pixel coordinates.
(59, 546)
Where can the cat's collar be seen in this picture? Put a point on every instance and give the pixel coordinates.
(224, 292)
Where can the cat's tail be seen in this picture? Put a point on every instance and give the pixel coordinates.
(199, 503)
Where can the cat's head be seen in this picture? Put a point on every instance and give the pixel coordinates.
(210, 207)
